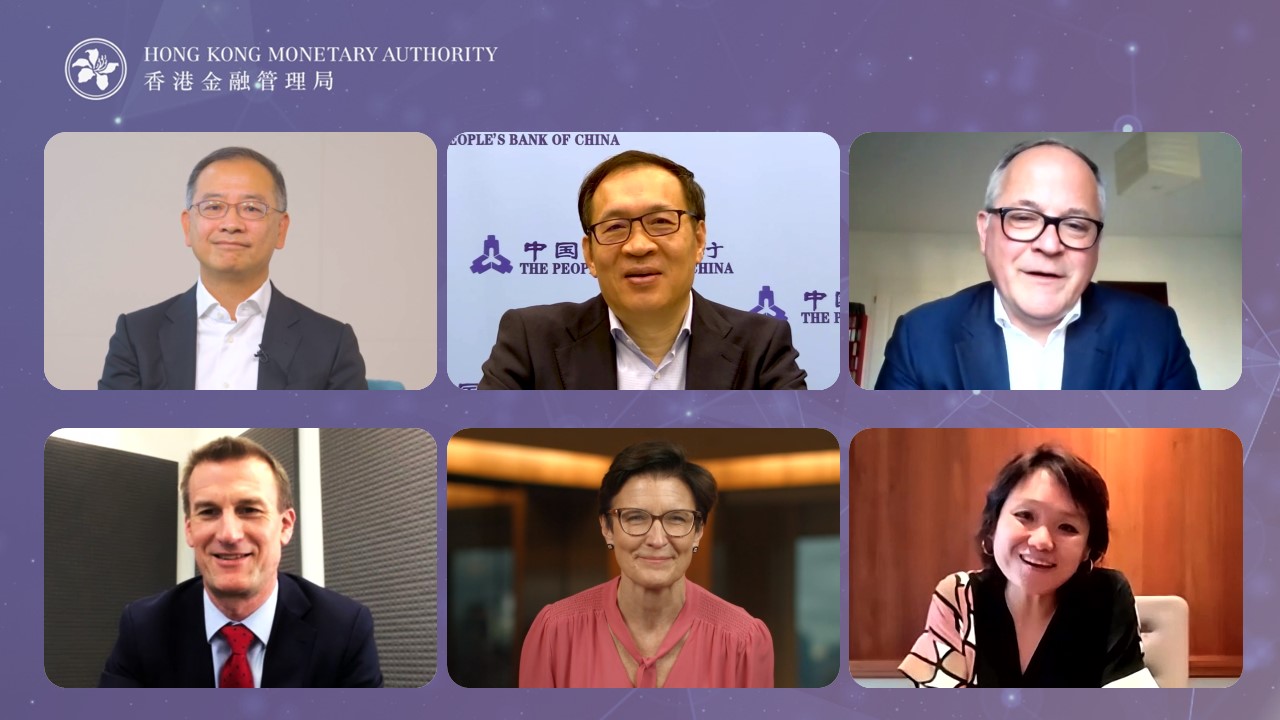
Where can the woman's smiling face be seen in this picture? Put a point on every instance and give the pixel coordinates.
(654, 560)
(1041, 537)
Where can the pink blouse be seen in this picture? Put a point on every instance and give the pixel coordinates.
(570, 645)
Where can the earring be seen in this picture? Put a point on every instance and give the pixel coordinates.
(695, 548)
(1090, 565)
(985, 551)
(609, 545)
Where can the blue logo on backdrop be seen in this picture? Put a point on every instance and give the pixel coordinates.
(96, 69)
(766, 305)
(491, 258)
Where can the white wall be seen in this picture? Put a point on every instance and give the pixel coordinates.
(168, 443)
(892, 273)
(307, 491)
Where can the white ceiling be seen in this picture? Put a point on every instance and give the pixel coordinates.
(934, 182)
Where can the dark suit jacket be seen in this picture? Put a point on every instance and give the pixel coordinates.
(155, 349)
(568, 346)
(1122, 341)
(318, 639)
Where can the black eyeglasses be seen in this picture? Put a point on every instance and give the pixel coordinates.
(677, 523)
(1026, 225)
(247, 210)
(656, 224)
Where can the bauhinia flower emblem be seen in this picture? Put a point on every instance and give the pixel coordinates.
(94, 67)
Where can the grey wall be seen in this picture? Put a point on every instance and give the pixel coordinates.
(379, 498)
(283, 444)
(105, 511)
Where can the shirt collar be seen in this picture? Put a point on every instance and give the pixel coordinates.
(259, 621)
(686, 327)
(258, 302)
(1002, 316)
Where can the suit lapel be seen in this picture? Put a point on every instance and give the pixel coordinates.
(288, 659)
(178, 344)
(280, 339)
(1087, 354)
(191, 656)
(587, 361)
(714, 362)
(980, 351)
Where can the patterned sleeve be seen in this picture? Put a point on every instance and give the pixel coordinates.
(1124, 666)
(943, 655)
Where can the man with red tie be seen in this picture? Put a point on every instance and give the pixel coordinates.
(242, 623)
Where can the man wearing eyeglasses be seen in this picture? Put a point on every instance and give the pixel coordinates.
(233, 330)
(1041, 323)
(644, 229)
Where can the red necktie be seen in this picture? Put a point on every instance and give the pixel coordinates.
(235, 671)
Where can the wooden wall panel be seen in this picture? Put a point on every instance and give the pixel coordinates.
(915, 501)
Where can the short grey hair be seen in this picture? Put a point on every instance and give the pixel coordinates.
(235, 153)
(996, 182)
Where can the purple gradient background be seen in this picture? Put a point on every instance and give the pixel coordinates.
(704, 65)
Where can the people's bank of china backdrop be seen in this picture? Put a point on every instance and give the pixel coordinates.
(773, 231)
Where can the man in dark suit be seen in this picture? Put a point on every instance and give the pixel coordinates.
(242, 623)
(1041, 323)
(233, 330)
(644, 229)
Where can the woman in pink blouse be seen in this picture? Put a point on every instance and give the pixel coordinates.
(649, 627)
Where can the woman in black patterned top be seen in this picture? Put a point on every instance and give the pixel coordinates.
(1039, 613)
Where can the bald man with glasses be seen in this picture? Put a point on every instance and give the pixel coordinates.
(1041, 323)
(233, 330)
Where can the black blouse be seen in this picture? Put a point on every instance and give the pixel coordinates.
(1092, 639)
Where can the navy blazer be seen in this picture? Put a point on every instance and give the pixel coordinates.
(318, 639)
(155, 349)
(1122, 341)
(568, 346)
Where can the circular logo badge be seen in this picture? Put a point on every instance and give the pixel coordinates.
(96, 69)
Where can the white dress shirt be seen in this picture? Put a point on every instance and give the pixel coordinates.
(637, 372)
(259, 623)
(1033, 366)
(226, 349)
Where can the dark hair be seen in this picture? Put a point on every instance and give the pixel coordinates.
(234, 153)
(693, 195)
(657, 458)
(1083, 483)
(995, 183)
(235, 448)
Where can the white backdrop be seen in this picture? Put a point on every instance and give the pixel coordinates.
(773, 219)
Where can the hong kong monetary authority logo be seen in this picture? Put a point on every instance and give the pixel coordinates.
(96, 69)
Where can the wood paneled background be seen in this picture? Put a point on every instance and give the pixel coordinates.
(915, 501)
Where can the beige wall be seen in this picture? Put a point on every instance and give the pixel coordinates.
(361, 245)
